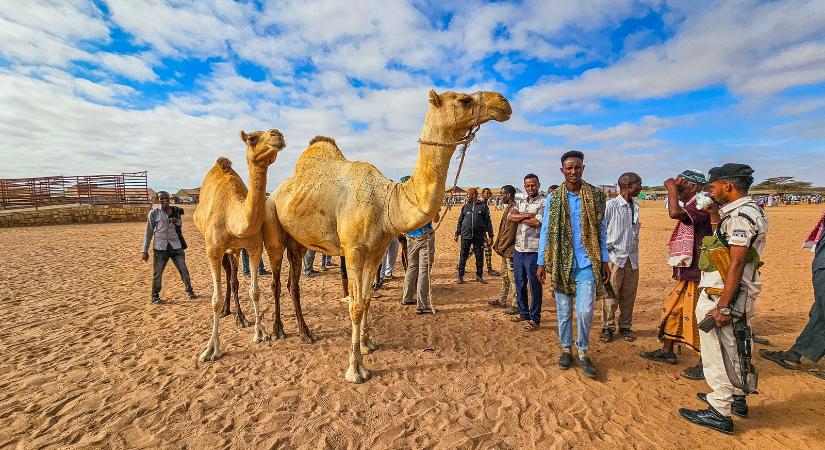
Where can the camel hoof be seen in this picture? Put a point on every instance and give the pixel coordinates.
(357, 376)
(308, 337)
(261, 336)
(368, 348)
(241, 321)
(278, 332)
(345, 300)
(211, 354)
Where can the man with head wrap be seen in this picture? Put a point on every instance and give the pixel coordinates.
(677, 323)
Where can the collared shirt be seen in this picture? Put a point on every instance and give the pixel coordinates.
(622, 231)
(164, 233)
(527, 237)
(580, 258)
(421, 231)
(739, 231)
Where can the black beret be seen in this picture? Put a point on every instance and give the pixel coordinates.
(730, 170)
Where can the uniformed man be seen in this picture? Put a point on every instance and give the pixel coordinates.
(742, 229)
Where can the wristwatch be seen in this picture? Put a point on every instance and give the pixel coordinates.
(724, 311)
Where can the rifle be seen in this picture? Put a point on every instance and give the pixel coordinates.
(748, 378)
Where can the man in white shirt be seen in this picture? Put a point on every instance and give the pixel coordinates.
(622, 218)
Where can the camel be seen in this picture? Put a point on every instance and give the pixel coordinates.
(340, 207)
(230, 217)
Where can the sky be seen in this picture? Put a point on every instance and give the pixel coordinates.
(649, 86)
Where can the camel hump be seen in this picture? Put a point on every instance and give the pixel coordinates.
(224, 163)
(323, 139)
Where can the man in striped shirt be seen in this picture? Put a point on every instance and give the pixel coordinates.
(622, 218)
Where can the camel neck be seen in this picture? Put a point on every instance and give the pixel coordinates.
(255, 201)
(415, 202)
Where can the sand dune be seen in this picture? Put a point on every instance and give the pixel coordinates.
(89, 363)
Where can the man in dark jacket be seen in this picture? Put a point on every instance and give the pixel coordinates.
(473, 222)
(505, 246)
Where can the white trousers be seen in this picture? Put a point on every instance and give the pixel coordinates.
(713, 363)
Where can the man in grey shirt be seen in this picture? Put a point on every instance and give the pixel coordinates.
(162, 228)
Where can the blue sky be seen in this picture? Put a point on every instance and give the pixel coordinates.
(655, 87)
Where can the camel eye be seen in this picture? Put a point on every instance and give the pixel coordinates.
(252, 140)
(466, 101)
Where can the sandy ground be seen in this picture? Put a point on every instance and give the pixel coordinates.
(87, 362)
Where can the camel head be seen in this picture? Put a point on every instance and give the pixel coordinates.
(454, 113)
(262, 147)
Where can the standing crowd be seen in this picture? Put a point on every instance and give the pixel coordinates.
(586, 247)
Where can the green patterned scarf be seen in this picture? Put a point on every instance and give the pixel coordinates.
(558, 255)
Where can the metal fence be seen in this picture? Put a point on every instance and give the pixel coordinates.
(83, 189)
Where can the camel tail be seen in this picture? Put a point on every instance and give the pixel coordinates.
(224, 163)
(323, 139)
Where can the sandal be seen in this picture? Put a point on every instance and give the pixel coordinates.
(606, 336)
(626, 334)
(517, 319)
(531, 326)
(779, 358)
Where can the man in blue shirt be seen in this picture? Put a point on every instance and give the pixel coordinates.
(573, 247)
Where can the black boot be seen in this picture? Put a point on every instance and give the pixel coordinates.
(739, 407)
(709, 418)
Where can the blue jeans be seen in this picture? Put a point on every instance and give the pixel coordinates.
(245, 261)
(524, 269)
(585, 287)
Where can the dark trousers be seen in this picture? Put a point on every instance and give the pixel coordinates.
(524, 269)
(811, 342)
(161, 257)
(478, 251)
(245, 262)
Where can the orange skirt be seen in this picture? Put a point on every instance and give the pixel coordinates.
(678, 319)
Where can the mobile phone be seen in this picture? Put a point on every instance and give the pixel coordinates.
(707, 324)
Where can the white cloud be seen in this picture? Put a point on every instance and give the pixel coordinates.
(138, 68)
(174, 29)
(648, 126)
(724, 45)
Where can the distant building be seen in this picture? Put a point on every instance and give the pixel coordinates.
(188, 195)
(610, 189)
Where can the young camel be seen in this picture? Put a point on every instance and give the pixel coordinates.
(230, 217)
(340, 207)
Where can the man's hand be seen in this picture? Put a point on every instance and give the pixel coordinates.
(540, 274)
(455, 238)
(605, 272)
(721, 319)
(144, 256)
(488, 241)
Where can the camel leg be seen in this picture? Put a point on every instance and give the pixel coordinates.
(226, 263)
(254, 294)
(360, 280)
(295, 253)
(274, 237)
(367, 346)
(213, 348)
(240, 318)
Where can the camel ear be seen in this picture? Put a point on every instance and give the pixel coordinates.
(243, 136)
(435, 99)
